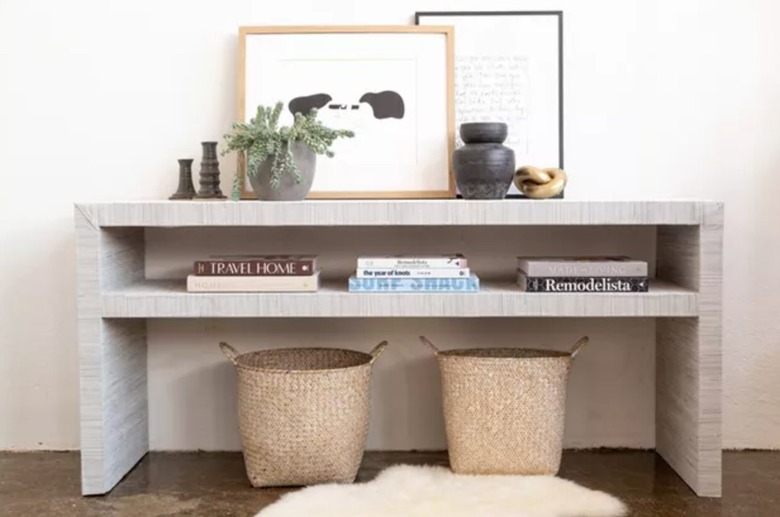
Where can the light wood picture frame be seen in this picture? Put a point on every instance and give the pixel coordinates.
(405, 152)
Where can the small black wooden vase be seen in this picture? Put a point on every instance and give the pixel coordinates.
(209, 173)
(484, 168)
(185, 190)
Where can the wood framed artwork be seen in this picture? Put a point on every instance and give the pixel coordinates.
(509, 68)
(392, 85)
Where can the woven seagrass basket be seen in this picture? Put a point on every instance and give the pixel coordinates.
(504, 408)
(303, 413)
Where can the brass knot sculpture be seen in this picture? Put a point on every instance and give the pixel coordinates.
(539, 183)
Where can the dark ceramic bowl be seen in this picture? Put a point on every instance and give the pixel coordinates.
(483, 132)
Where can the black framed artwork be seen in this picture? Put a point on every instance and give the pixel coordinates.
(509, 68)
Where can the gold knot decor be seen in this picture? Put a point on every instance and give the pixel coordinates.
(539, 183)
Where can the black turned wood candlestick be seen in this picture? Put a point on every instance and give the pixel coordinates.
(209, 173)
(186, 190)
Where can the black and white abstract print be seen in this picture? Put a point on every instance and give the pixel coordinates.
(383, 105)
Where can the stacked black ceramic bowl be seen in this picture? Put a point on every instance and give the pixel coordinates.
(484, 168)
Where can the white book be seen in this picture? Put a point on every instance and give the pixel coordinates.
(581, 266)
(253, 284)
(419, 272)
(410, 261)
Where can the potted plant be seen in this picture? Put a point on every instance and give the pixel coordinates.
(281, 160)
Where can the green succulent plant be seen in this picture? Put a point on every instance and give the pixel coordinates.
(262, 138)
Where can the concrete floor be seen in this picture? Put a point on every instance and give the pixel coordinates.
(214, 484)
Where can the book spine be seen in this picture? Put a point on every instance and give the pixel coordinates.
(249, 284)
(583, 269)
(413, 273)
(255, 267)
(583, 284)
(411, 263)
(414, 285)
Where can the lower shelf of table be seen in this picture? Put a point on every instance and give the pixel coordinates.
(169, 299)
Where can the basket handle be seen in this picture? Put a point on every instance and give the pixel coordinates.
(377, 351)
(230, 352)
(424, 340)
(579, 345)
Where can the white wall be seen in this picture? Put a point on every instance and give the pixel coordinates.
(99, 98)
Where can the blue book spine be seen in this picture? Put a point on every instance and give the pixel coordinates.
(414, 285)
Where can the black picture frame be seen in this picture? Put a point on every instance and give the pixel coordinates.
(559, 16)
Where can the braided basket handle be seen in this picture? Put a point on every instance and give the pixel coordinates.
(579, 345)
(424, 341)
(377, 351)
(230, 352)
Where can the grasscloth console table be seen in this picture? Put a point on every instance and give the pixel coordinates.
(115, 299)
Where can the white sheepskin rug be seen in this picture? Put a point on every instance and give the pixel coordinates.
(424, 491)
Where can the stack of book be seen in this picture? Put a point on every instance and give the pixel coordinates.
(255, 274)
(581, 275)
(414, 274)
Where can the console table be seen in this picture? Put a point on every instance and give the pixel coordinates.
(115, 299)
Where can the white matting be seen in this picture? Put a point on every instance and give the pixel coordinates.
(422, 491)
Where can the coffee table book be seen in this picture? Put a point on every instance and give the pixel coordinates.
(256, 265)
(579, 284)
(413, 262)
(252, 284)
(618, 266)
(420, 272)
(414, 285)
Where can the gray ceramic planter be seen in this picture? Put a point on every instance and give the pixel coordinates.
(484, 169)
(289, 190)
